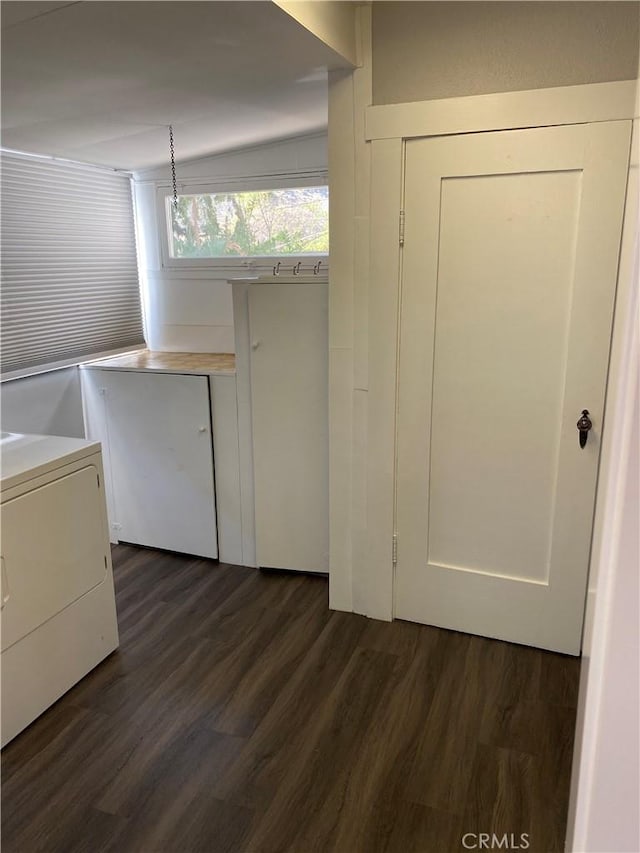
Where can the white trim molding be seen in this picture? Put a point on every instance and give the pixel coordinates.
(503, 111)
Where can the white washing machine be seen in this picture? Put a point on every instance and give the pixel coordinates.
(58, 616)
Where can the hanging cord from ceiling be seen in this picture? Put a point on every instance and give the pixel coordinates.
(173, 168)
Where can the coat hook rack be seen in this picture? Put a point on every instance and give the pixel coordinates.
(296, 269)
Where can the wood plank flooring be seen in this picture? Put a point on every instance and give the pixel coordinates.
(240, 715)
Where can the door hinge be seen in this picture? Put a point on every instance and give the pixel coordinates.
(394, 550)
(106, 565)
(401, 228)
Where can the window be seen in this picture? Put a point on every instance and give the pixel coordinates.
(69, 267)
(282, 223)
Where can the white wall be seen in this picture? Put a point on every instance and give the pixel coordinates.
(47, 403)
(433, 50)
(605, 790)
(191, 310)
(349, 205)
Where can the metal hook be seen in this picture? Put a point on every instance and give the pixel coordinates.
(276, 269)
(316, 268)
(296, 269)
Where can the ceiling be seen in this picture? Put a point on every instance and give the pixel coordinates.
(100, 81)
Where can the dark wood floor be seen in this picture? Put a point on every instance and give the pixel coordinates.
(241, 715)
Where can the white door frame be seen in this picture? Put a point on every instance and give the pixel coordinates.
(387, 128)
(503, 111)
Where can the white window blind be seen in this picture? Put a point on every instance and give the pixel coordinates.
(69, 269)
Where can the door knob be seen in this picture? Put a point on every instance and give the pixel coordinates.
(584, 425)
(255, 345)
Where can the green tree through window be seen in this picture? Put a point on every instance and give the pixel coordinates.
(269, 223)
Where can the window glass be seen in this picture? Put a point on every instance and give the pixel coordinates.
(262, 223)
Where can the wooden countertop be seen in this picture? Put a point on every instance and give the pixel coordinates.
(170, 362)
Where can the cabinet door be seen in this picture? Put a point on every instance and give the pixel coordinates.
(161, 460)
(289, 379)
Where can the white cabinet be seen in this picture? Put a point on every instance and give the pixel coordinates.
(282, 371)
(156, 431)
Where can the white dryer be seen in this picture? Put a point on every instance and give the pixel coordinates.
(58, 606)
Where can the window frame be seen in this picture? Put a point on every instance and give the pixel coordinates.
(236, 265)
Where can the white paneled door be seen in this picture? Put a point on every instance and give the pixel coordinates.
(508, 287)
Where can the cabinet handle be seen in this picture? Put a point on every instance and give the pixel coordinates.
(255, 345)
(202, 429)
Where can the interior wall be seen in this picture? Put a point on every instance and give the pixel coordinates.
(44, 404)
(349, 206)
(191, 310)
(605, 785)
(427, 50)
